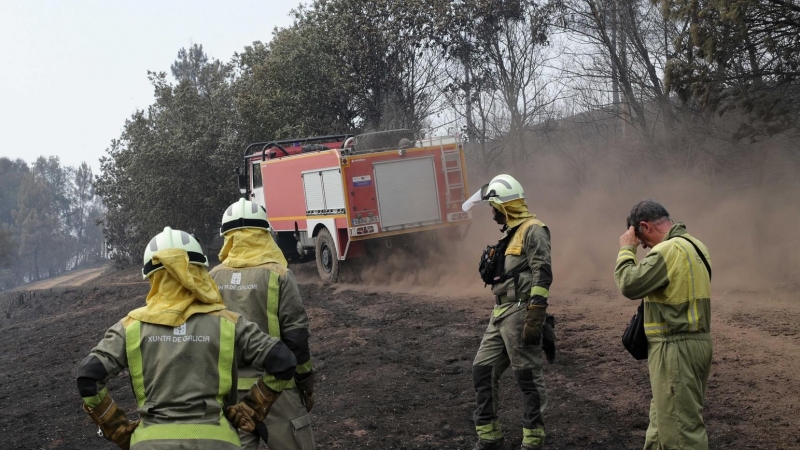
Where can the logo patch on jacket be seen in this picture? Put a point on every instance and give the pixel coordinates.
(236, 278)
(179, 331)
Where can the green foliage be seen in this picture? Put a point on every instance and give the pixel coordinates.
(739, 55)
(11, 175)
(172, 166)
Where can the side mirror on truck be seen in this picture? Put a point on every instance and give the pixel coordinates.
(242, 179)
(242, 183)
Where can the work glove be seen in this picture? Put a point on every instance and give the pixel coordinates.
(305, 383)
(253, 408)
(113, 423)
(241, 416)
(534, 318)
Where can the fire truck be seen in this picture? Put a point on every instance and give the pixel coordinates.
(334, 197)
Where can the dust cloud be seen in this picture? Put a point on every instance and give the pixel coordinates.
(749, 224)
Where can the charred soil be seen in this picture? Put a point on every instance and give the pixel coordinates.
(395, 368)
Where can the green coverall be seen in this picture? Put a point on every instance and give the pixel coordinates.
(675, 285)
(183, 377)
(267, 294)
(502, 344)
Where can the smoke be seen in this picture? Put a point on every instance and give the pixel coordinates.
(750, 227)
(747, 214)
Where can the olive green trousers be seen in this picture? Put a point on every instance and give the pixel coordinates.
(679, 367)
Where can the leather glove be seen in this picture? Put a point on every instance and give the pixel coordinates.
(534, 318)
(241, 416)
(113, 423)
(305, 383)
(253, 408)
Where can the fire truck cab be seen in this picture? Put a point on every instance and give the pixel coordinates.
(327, 196)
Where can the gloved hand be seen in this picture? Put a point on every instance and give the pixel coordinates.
(253, 408)
(241, 416)
(112, 421)
(305, 383)
(534, 318)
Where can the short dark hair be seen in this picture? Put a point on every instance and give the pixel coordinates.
(646, 211)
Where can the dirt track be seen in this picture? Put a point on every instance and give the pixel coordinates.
(69, 279)
(395, 368)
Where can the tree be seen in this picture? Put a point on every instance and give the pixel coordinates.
(739, 55)
(85, 212)
(293, 87)
(11, 175)
(496, 84)
(41, 241)
(190, 65)
(8, 252)
(171, 165)
(618, 50)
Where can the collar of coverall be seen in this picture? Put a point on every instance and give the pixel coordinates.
(250, 247)
(516, 212)
(178, 291)
(678, 229)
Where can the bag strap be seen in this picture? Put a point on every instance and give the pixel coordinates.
(700, 253)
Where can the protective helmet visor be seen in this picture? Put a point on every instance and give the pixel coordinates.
(475, 199)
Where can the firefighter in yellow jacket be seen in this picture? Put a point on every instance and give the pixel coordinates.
(180, 350)
(518, 269)
(675, 281)
(254, 281)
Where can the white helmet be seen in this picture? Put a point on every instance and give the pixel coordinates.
(244, 214)
(170, 238)
(502, 189)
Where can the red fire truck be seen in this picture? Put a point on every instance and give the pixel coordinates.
(332, 197)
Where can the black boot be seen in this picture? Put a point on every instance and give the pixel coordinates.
(499, 444)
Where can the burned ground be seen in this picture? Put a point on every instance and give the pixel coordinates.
(395, 368)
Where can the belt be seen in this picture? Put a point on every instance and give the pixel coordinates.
(501, 299)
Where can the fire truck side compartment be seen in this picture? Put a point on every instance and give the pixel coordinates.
(407, 193)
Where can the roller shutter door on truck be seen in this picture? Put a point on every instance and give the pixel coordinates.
(323, 191)
(407, 193)
(334, 194)
(315, 199)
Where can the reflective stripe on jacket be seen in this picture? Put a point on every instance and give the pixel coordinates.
(182, 377)
(527, 255)
(267, 294)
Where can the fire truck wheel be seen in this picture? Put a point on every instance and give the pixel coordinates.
(327, 261)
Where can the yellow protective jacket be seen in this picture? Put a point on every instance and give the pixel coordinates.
(673, 281)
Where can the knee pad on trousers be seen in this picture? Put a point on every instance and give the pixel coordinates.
(482, 377)
(532, 411)
(482, 380)
(525, 380)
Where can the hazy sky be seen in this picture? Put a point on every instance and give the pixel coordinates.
(71, 72)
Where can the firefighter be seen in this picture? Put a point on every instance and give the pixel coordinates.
(518, 269)
(179, 350)
(675, 281)
(254, 281)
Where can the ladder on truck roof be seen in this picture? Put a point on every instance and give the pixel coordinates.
(451, 163)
